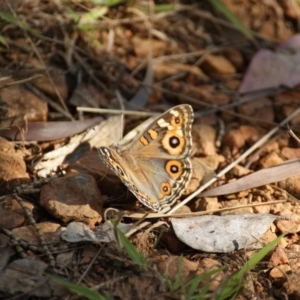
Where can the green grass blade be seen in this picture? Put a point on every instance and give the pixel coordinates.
(236, 281)
(93, 15)
(219, 5)
(203, 294)
(177, 283)
(73, 14)
(136, 256)
(78, 289)
(192, 284)
(107, 2)
(158, 8)
(9, 18)
(2, 40)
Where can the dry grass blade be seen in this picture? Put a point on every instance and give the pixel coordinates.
(116, 111)
(259, 178)
(20, 81)
(47, 131)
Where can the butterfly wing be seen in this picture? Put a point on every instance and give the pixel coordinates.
(162, 153)
(156, 166)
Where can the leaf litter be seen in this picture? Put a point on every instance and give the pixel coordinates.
(108, 50)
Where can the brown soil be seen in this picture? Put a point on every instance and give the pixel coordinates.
(56, 57)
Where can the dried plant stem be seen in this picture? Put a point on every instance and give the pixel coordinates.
(198, 213)
(20, 242)
(37, 229)
(116, 111)
(20, 81)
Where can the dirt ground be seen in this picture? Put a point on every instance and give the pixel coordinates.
(144, 56)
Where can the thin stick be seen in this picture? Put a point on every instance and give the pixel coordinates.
(20, 81)
(293, 135)
(116, 111)
(197, 213)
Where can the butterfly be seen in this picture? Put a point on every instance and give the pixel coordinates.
(156, 165)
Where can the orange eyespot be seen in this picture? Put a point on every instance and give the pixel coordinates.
(173, 143)
(165, 188)
(174, 168)
(177, 121)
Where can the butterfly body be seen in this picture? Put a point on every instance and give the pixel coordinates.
(156, 165)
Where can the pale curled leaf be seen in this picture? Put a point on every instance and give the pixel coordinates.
(222, 234)
(259, 178)
(270, 69)
(79, 232)
(48, 131)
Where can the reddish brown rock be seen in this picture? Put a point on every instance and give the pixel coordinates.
(269, 235)
(251, 133)
(141, 47)
(233, 84)
(291, 185)
(262, 109)
(234, 139)
(290, 153)
(292, 225)
(73, 198)
(236, 209)
(12, 172)
(287, 103)
(239, 171)
(235, 57)
(262, 209)
(218, 65)
(279, 272)
(6, 146)
(278, 257)
(29, 234)
(166, 69)
(23, 102)
(204, 140)
(291, 11)
(207, 264)
(11, 213)
(207, 203)
(169, 266)
(270, 160)
(201, 172)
